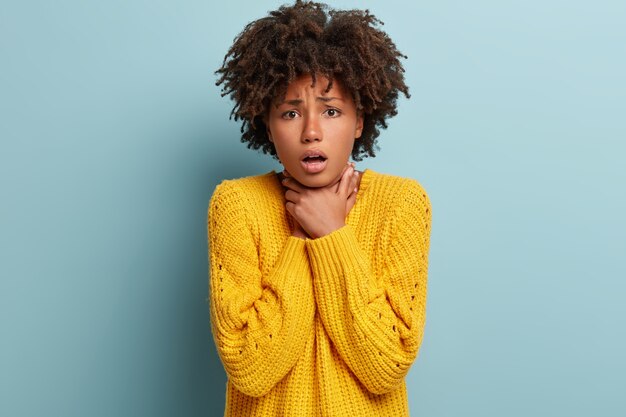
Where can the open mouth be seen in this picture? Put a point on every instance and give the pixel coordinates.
(311, 159)
(314, 164)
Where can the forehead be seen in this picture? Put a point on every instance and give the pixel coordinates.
(304, 85)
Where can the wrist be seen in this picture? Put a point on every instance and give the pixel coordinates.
(299, 232)
(328, 231)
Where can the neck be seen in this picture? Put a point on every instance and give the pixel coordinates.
(358, 183)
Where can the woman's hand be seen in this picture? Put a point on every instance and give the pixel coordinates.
(298, 231)
(320, 211)
(353, 191)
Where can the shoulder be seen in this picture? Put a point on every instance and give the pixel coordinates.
(410, 205)
(404, 192)
(234, 195)
(238, 188)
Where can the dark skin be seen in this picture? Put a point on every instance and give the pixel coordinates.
(322, 210)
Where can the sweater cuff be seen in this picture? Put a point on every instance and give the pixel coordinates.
(291, 266)
(338, 261)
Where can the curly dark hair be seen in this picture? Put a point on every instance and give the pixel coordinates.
(311, 38)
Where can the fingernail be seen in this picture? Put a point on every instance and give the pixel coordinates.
(355, 190)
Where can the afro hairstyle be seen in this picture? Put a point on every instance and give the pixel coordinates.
(311, 38)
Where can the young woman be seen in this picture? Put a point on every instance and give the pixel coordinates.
(318, 274)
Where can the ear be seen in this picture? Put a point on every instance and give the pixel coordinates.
(359, 126)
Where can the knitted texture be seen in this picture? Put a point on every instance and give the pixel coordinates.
(318, 327)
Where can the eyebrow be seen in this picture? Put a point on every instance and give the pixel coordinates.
(298, 101)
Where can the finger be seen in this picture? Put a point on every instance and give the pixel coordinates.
(353, 189)
(337, 185)
(292, 184)
(346, 180)
(292, 196)
(350, 202)
(354, 183)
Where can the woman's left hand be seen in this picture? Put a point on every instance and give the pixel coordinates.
(322, 210)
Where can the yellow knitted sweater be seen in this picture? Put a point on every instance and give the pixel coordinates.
(318, 327)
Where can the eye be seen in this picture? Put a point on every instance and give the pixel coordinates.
(333, 112)
(291, 114)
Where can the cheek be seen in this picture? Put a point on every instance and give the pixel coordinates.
(348, 143)
(287, 154)
(283, 139)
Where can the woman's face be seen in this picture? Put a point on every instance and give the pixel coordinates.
(308, 119)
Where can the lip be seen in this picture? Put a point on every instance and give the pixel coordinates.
(314, 167)
(313, 152)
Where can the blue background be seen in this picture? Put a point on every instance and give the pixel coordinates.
(113, 136)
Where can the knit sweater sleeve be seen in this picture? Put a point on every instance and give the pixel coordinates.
(376, 322)
(259, 321)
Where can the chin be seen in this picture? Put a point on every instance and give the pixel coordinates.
(321, 179)
(308, 181)
(314, 181)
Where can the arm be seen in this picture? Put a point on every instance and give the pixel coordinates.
(376, 322)
(260, 323)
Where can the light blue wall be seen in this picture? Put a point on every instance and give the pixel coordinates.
(113, 136)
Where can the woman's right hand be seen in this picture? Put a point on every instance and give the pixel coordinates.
(297, 231)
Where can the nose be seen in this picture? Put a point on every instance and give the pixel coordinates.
(311, 130)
